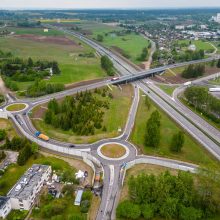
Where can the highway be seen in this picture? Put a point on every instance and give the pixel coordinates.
(112, 168)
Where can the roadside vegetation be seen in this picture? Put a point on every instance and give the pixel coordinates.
(181, 196)
(101, 120)
(191, 151)
(169, 89)
(203, 102)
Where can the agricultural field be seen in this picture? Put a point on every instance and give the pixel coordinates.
(130, 44)
(64, 49)
(114, 119)
(200, 45)
(191, 152)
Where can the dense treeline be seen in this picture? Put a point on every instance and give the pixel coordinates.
(107, 65)
(41, 87)
(200, 98)
(82, 114)
(144, 54)
(171, 197)
(193, 71)
(24, 146)
(28, 70)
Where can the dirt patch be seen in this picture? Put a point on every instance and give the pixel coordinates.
(39, 111)
(48, 39)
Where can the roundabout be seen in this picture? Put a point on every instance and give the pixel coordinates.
(113, 151)
(17, 107)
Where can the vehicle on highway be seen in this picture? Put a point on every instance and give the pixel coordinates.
(41, 136)
(72, 146)
(114, 78)
(187, 83)
(214, 89)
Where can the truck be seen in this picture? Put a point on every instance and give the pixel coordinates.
(187, 83)
(41, 136)
(217, 89)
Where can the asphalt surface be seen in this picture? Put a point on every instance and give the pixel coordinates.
(113, 171)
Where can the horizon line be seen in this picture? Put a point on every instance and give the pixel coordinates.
(119, 8)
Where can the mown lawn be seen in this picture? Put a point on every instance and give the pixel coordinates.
(191, 152)
(168, 89)
(15, 107)
(115, 117)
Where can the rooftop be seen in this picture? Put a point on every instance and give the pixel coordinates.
(25, 185)
(3, 200)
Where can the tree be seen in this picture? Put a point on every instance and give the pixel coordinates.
(218, 63)
(190, 213)
(2, 134)
(152, 136)
(177, 142)
(107, 65)
(30, 62)
(148, 102)
(100, 38)
(24, 154)
(147, 211)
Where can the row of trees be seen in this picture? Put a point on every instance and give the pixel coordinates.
(193, 71)
(200, 98)
(152, 135)
(81, 114)
(107, 65)
(170, 197)
(41, 87)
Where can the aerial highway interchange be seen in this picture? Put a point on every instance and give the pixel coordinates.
(114, 171)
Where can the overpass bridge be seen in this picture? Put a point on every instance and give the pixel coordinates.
(148, 73)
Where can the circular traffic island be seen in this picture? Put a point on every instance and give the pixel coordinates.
(16, 107)
(113, 151)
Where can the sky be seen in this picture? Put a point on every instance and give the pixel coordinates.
(79, 4)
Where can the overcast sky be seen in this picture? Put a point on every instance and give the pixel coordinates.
(76, 4)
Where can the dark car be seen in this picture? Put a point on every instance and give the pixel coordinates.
(72, 146)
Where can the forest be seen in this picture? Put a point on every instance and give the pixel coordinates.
(171, 197)
(83, 114)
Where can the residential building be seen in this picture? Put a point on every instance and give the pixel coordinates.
(5, 206)
(24, 192)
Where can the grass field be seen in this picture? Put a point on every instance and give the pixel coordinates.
(73, 68)
(35, 31)
(8, 126)
(200, 45)
(15, 107)
(191, 152)
(132, 44)
(115, 117)
(168, 89)
(113, 150)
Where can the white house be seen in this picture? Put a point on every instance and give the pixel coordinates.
(22, 195)
(5, 206)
